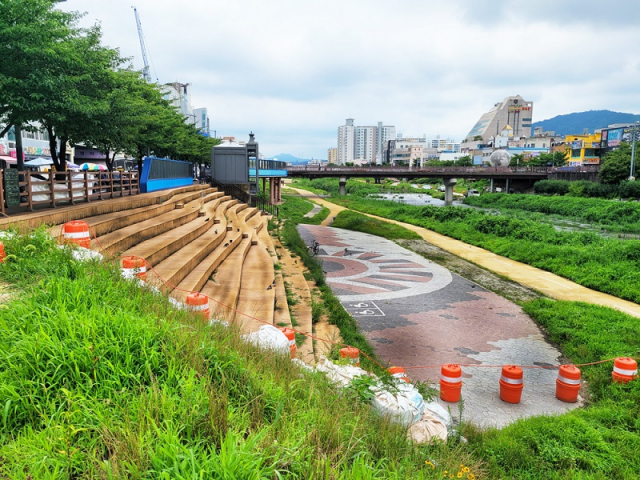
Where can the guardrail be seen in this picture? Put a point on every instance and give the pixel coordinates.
(53, 188)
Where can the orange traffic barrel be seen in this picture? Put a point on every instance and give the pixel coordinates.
(291, 336)
(511, 384)
(77, 231)
(568, 383)
(399, 373)
(450, 382)
(199, 304)
(133, 267)
(625, 369)
(352, 354)
(3, 255)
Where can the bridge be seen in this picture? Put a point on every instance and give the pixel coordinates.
(449, 175)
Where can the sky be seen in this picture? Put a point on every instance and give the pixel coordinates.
(292, 71)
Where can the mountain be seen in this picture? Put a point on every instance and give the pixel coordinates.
(285, 157)
(575, 123)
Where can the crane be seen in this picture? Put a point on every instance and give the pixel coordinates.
(145, 70)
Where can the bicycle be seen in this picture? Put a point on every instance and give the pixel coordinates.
(314, 248)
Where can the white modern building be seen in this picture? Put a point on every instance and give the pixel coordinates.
(365, 144)
(514, 111)
(385, 134)
(346, 142)
(201, 120)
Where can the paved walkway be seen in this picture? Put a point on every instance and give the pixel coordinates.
(547, 283)
(416, 313)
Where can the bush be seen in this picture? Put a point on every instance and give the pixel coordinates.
(629, 189)
(552, 187)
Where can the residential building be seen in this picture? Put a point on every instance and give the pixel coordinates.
(365, 144)
(346, 142)
(514, 111)
(332, 155)
(445, 144)
(384, 134)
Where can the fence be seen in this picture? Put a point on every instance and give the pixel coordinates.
(29, 189)
(236, 192)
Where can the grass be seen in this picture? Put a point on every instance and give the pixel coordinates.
(350, 220)
(102, 379)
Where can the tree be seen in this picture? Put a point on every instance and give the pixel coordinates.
(465, 161)
(516, 159)
(616, 165)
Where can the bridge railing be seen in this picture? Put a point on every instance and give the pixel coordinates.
(434, 171)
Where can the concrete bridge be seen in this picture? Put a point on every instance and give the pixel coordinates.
(507, 175)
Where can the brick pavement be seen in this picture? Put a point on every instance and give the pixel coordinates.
(416, 313)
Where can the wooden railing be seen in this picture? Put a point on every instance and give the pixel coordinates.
(70, 187)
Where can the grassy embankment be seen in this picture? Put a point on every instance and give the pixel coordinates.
(613, 216)
(609, 265)
(599, 441)
(102, 379)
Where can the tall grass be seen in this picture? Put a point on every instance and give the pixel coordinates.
(102, 379)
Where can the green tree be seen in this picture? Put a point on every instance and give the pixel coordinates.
(516, 159)
(465, 161)
(616, 165)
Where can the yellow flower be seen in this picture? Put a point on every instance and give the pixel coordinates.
(465, 469)
(471, 476)
(459, 474)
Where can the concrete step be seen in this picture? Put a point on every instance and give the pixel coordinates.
(257, 289)
(158, 248)
(102, 224)
(225, 286)
(125, 238)
(175, 268)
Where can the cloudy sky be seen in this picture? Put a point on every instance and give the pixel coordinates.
(292, 71)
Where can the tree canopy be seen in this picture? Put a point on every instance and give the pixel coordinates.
(616, 165)
(59, 76)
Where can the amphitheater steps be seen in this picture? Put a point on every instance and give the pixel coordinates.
(177, 266)
(225, 286)
(125, 238)
(257, 289)
(109, 222)
(156, 249)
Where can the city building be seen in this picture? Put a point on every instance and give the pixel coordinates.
(583, 149)
(202, 121)
(346, 142)
(365, 144)
(34, 144)
(332, 155)
(514, 111)
(615, 134)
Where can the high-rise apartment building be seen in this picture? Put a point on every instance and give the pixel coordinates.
(346, 142)
(364, 143)
(514, 111)
(332, 155)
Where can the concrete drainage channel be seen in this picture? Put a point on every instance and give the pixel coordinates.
(420, 316)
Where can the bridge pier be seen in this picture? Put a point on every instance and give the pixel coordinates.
(343, 186)
(448, 190)
(506, 187)
(492, 189)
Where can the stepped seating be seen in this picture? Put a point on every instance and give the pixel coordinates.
(198, 239)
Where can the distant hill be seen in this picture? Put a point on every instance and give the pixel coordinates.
(575, 123)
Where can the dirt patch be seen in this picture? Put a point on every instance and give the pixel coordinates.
(489, 280)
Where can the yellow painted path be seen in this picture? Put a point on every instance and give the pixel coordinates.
(547, 283)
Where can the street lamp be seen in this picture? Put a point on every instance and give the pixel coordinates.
(633, 150)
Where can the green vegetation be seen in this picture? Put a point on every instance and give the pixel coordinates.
(583, 188)
(599, 441)
(59, 75)
(605, 264)
(102, 379)
(615, 216)
(363, 223)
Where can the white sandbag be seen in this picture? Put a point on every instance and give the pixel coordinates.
(405, 406)
(303, 365)
(269, 337)
(429, 428)
(340, 375)
(177, 304)
(440, 413)
(82, 254)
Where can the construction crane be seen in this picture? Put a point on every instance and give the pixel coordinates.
(145, 70)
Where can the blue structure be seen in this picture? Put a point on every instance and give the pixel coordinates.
(162, 173)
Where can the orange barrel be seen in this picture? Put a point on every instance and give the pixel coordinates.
(77, 231)
(568, 383)
(511, 384)
(291, 336)
(3, 255)
(399, 373)
(625, 369)
(351, 353)
(132, 267)
(450, 382)
(198, 303)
